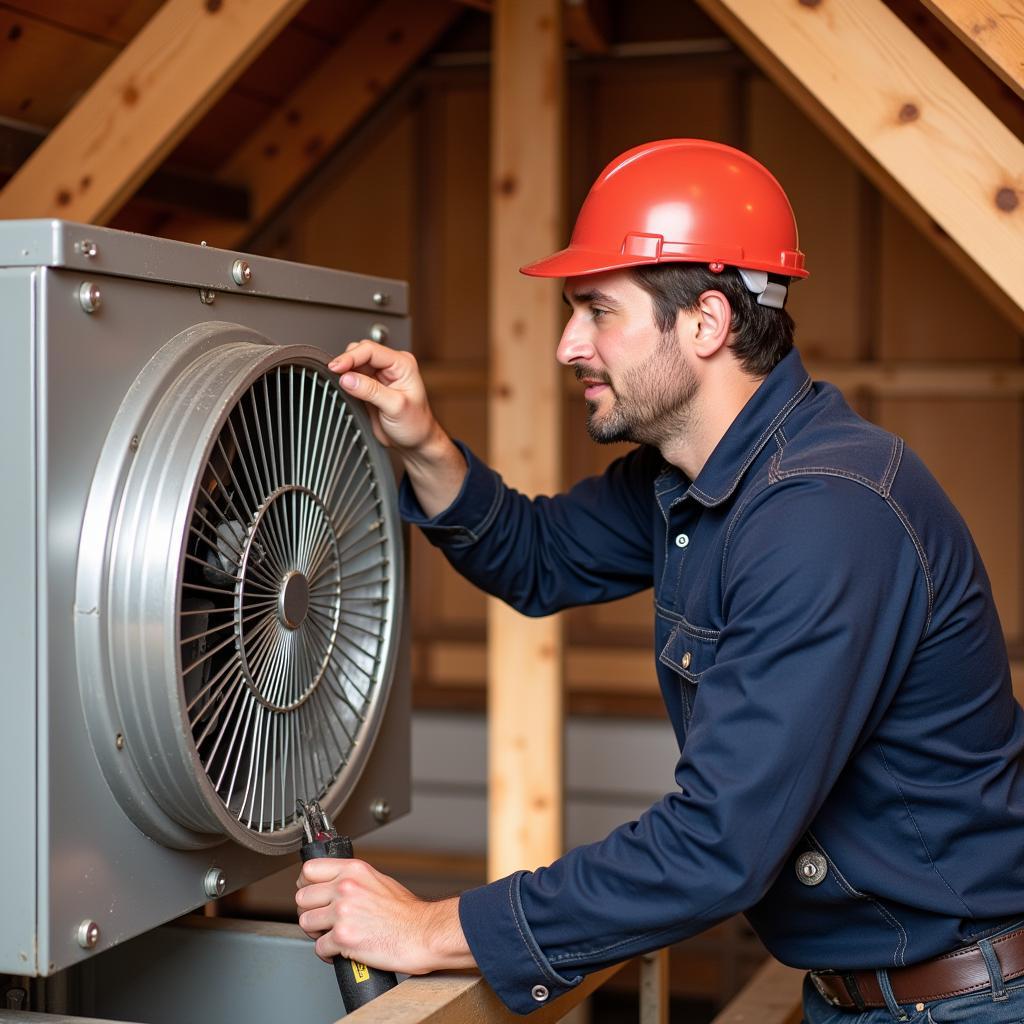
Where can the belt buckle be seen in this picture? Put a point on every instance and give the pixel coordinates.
(822, 990)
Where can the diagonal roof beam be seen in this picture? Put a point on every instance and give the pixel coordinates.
(186, 56)
(994, 32)
(304, 129)
(911, 125)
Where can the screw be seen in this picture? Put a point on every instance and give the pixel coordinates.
(215, 883)
(381, 810)
(241, 272)
(206, 296)
(119, 741)
(381, 298)
(87, 248)
(379, 332)
(88, 934)
(90, 297)
(133, 444)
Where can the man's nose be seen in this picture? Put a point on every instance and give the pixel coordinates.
(575, 346)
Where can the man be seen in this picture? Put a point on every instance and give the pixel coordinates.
(828, 648)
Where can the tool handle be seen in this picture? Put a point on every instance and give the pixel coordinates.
(358, 983)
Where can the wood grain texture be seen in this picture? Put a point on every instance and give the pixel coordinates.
(304, 129)
(917, 131)
(992, 31)
(772, 996)
(525, 656)
(145, 101)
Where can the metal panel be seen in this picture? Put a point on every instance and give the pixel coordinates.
(56, 243)
(17, 620)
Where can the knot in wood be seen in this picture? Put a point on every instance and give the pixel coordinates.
(1007, 199)
(909, 112)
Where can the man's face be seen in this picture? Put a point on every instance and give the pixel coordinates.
(637, 383)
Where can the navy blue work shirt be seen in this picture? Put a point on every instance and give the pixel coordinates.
(834, 669)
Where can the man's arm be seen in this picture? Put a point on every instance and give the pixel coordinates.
(389, 382)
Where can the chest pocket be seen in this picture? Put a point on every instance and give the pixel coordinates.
(689, 652)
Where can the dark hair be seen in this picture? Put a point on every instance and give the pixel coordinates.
(762, 335)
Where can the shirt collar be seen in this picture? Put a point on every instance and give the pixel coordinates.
(765, 411)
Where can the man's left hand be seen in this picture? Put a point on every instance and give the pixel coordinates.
(350, 908)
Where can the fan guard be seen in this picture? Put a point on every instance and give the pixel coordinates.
(237, 602)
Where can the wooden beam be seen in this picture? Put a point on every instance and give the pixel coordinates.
(457, 998)
(912, 126)
(525, 667)
(994, 32)
(772, 996)
(178, 65)
(323, 110)
(586, 25)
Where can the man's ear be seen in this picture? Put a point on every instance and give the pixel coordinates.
(714, 322)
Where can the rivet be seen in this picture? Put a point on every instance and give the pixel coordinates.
(119, 741)
(88, 934)
(87, 248)
(687, 658)
(133, 444)
(381, 810)
(919, 1007)
(90, 297)
(379, 332)
(241, 272)
(215, 883)
(381, 298)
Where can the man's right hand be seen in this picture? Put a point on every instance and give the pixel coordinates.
(390, 384)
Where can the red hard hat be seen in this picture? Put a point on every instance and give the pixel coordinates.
(681, 200)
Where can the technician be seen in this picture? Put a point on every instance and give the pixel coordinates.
(827, 646)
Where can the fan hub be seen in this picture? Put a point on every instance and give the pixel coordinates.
(293, 600)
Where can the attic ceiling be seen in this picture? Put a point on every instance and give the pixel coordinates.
(309, 84)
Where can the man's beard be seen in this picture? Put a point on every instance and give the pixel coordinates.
(652, 402)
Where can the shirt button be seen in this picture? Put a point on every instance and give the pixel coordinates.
(811, 868)
(540, 993)
(687, 658)
(682, 540)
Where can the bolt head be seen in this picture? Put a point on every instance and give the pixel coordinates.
(381, 810)
(90, 297)
(88, 934)
(215, 883)
(241, 272)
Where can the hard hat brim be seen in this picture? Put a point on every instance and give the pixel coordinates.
(576, 262)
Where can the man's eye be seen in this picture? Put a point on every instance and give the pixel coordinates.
(597, 313)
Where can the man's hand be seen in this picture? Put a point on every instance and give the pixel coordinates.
(390, 384)
(350, 908)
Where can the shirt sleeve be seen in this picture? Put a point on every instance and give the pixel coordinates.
(589, 545)
(824, 603)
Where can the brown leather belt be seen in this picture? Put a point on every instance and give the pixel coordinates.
(952, 974)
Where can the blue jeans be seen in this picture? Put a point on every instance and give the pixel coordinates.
(999, 1004)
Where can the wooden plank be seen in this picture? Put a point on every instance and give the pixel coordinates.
(994, 32)
(909, 122)
(113, 20)
(525, 656)
(304, 129)
(187, 55)
(586, 24)
(462, 998)
(654, 971)
(772, 996)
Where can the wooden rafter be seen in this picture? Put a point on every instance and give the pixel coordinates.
(995, 32)
(163, 81)
(323, 110)
(905, 119)
(525, 657)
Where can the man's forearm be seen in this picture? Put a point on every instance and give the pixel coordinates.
(436, 471)
(445, 936)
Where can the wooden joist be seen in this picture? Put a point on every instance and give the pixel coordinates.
(772, 996)
(163, 81)
(323, 110)
(905, 119)
(525, 656)
(994, 32)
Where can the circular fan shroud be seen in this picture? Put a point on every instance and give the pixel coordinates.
(237, 603)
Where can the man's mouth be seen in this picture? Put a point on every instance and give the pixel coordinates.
(593, 384)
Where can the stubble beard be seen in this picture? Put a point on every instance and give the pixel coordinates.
(653, 402)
